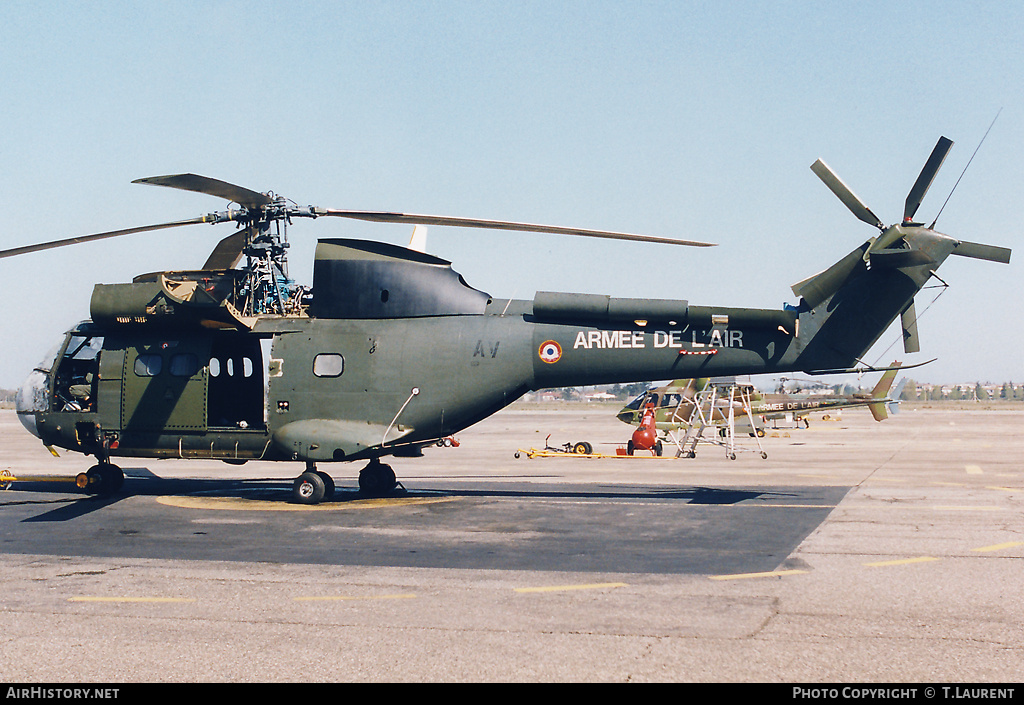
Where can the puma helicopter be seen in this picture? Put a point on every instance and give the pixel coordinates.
(390, 349)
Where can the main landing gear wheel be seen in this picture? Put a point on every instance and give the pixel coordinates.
(309, 488)
(102, 479)
(377, 479)
(312, 487)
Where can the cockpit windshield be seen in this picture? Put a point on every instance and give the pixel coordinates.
(33, 395)
(637, 403)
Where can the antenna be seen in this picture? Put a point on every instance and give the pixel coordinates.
(932, 226)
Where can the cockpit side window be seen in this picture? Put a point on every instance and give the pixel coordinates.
(77, 374)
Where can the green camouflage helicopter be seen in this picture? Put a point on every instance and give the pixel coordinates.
(390, 350)
(674, 404)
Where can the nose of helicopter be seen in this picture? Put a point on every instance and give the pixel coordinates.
(31, 398)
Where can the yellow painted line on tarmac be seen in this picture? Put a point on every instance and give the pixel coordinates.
(998, 547)
(902, 561)
(354, 598)
(242, 503)
(559, 588)
(752, 576)
(1005, 489)
(973, 470)
(129, 599)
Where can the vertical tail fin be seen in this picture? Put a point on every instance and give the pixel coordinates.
(880, 393)
(881, 389)
(846, 308)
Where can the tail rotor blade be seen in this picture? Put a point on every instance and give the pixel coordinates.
(848, 197)
(925, 178)
(908, 323)
(992, 253)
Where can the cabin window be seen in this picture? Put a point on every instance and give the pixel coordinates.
(328, 365)
(148, 365)
(243, 367)
(184, 365)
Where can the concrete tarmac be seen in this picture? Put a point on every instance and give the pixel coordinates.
(856, 552)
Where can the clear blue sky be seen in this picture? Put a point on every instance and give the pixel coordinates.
(690, 119)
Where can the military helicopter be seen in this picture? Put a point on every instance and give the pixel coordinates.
(390, 349)
(673, 404)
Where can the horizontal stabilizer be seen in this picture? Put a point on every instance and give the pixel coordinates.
(976, 250)
(897, 257)
(819, 287)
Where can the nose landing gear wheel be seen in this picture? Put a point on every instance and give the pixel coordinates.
(102, 479)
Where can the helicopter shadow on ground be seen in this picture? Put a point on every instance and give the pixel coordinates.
(687, 495)
(492, 524)
(140, 482)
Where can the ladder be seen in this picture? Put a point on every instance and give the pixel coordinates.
(713, 407)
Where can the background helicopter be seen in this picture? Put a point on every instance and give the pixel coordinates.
(390, 349)
(673, 404)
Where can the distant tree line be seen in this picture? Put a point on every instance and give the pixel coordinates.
(1007, 391)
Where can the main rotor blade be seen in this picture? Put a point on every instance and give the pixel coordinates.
(924, 179)
(848, 197)
(412, 219)
(99, 236)
(213, 187)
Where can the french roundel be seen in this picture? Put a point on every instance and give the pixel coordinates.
(550, 352)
